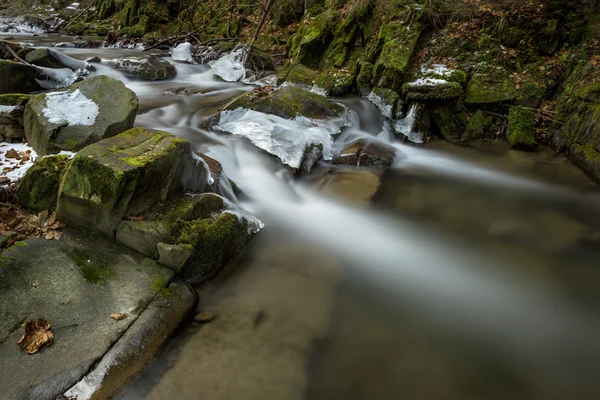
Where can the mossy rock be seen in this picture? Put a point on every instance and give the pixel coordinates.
(365, 153)
(17, 78)
(51, 130)
(14, 99)
(521, 128)
(483, 89)
(477, 126)
(336, 82)
(288, 102)
(38, 190)
(364, 80)
(432, 90)
(216, 243)
(388, 101)
(144, 236)
(297, 74)
(117, 177)
(450, 123)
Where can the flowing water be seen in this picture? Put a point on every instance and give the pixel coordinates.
(460, 273)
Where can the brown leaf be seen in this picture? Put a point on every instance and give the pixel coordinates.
(119, 317)
(36, 335)
(12, 153)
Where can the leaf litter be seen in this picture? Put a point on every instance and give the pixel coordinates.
(20, 225)
(37, 334)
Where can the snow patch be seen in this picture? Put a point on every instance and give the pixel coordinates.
(8, 109)
(70, 108)
(436, 69)
(427, 82)
(13, 168)
(183, 52)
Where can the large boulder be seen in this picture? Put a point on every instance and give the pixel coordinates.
(148, 69)
(287, 102)
(127, 175)
(89, 111)
(17, 78)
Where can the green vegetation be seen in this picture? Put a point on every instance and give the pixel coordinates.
(95, 268)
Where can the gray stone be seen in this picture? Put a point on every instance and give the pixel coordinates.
(148, 69)
(143, 236)
(117, 108)
(174, 256)
(76, 283)
(365, 153)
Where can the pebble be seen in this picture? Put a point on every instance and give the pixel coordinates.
(204, 317)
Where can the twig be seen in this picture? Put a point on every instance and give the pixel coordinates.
(177, 38)
(77, 16)
(263, 17)
(64, 327)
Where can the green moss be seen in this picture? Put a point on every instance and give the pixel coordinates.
(38, 190)
(477, 126)
(298, 74)
(439, 91)
(451, 124)
(485, 89)
(364, 80)
(96, 269)
(521, 128)
(14, 99)
(336, 82)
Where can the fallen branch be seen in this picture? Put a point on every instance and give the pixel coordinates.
(6, 45)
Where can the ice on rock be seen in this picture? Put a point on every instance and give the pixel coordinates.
(200, 160)
(55, 78)
(183, 53)
(385, 108)
(284, 138)
(406, 125)
(70, 108)
(230, 67)
(67, 61)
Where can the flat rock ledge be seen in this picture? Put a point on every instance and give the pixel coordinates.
(76, 283)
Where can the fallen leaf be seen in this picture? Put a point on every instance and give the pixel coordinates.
(12, 153)
(36, 335)
(119, 317)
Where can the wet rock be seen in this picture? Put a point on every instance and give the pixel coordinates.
(12, 133)
(288, 102)
(17, 78)
(151, 68)
(38, 189)
(204, 317)
(89, 111)
(144, 236)
(424, 89)
(50, 58)
(364, 153)
(96, 60)
(357, 186)
(477, 126)
(174, 256)
(76, 283)
(451, 121)
(312, 155)
(216, 171)
(117, 177)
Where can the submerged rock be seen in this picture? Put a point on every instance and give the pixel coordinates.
(151, 68)
(127, 175)
(87, 112)
(364, 153)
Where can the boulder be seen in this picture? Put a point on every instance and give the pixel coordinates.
(365, 153)
(89, 111)
(477, 126)
(127, 175)
(521, 128)
(17, 78)
(287, 102)
(38, 189)
(451, 121)
(151, 68)
(194, 236)
(424, 89)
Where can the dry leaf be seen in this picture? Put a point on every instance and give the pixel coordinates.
(36, 335)
(12, 153)
(119, 317)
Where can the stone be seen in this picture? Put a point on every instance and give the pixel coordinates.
(38, 189)
(204, 317)
(12, 133)
(288, 102)
(174, 256)
(521, 128)
(14, 99)
(477, 126)
(105, 108)
(50, 58)
(144, 236)
(17, 78)
(151, 68)
(364, 153)
(76, 283)
(127, 175)
(450, 121)
(425, 89)
(96, 60)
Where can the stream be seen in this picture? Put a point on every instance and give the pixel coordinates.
(462, 272)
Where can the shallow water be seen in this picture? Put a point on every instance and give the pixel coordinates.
(460, 273)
